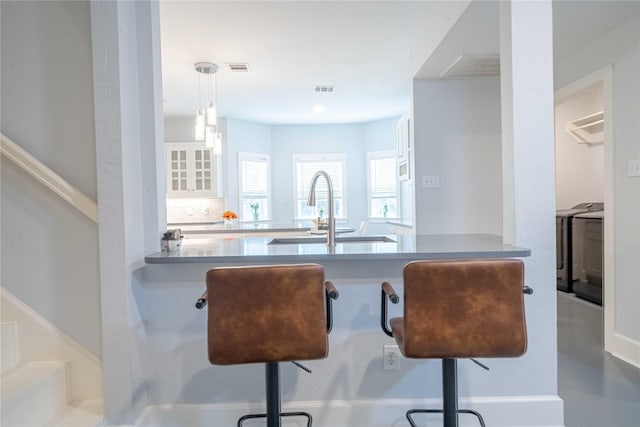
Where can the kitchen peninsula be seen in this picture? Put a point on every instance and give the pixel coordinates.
(345, 388)
(405, 248)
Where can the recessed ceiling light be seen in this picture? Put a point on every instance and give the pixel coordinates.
(318, 109)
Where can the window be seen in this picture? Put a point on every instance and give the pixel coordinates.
(382, 184)
(254, 185)
(305, 166)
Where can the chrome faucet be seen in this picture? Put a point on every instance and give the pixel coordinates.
(311, 201)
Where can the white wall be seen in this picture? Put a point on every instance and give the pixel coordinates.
(381, 134)
(579, 167)
(126, 46)
(457, 137)
(378, 136)
(621, 48)
(243, 136)
(179, 129)
(49, 250)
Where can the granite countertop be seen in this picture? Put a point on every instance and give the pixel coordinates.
(238, 227)
(402, 247)
(399, 223)
(218, 227)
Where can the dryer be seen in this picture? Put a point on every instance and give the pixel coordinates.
(589, 248)
(565, 261)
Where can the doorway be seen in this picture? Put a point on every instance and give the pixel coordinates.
(584, 169)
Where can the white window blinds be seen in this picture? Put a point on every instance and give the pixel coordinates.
(305, 166)
(383, 176)
(254, 186)
(306, 170)
(253, 176)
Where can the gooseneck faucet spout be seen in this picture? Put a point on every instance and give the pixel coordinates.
(311, 201)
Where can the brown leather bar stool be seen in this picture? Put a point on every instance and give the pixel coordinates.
(268, 314)
(458, 309)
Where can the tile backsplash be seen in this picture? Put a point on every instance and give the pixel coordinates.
(185, 210)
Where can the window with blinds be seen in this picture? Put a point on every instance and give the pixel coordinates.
(254, 186)
(305, 166)
(382, 184)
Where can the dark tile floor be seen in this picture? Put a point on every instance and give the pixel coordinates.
(598, 390)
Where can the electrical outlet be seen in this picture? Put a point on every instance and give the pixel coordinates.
(391, 357)
(634, 168)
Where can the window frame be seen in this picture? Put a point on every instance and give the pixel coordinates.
(317, 157)
(375, 155)
(250, 156)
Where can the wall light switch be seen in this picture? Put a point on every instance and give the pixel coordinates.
(431, 181)
(634, 168)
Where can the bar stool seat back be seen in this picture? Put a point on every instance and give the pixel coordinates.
(266, 314)
(462, 309)
(456, 309)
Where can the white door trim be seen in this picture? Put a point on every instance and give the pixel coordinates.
(603, 77)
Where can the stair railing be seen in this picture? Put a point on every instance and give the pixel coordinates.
(49, 178)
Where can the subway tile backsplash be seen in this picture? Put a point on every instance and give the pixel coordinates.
(185, 210)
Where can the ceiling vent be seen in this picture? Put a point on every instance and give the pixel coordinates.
(467, 66)
(239, 67)
(324, 89)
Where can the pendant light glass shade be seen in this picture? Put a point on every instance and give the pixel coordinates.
(212, 115)
(207, 117)
(209, 138)
(217, 143)
(200, 125)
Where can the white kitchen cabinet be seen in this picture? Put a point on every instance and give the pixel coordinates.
(191, 170)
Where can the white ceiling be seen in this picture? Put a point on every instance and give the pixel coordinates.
(364, 48)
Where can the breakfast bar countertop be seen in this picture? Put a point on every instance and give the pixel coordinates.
(238, 227)
(402, 247)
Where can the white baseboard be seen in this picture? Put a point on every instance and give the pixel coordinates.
(39, 340)
(624, 348)
(520, 411)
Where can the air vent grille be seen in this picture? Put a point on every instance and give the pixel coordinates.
(324, 88)
(467, 66)
(239, 67)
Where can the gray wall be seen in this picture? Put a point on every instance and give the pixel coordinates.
(49, 250)
(457, 136)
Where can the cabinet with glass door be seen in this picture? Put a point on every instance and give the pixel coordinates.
(191, 170)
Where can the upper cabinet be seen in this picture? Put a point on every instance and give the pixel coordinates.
(404, 136)
(190, 170)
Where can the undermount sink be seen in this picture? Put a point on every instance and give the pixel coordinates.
(341, 239)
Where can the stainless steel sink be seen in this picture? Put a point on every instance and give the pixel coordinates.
(341, 239)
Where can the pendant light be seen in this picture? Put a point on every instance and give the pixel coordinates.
(206, 128)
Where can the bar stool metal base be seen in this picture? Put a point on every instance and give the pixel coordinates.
(282, 414)
(273, 414)
(450, 409)
(440, 411)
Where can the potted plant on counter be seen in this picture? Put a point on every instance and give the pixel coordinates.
(228, 217)
(254, 210)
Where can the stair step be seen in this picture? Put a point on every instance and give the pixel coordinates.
(33, 393)
(84, 414)
(9, 341)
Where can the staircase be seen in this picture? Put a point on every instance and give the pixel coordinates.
(36, 393)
